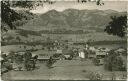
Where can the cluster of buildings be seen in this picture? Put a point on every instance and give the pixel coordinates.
(80, 52)
(71, 52)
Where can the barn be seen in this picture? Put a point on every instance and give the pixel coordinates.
(43, 56)
(100, 54)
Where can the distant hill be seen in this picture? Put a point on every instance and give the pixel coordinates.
(72, 19)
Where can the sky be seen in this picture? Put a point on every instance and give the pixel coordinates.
(62, 5)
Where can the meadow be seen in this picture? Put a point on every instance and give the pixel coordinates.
(64, 70)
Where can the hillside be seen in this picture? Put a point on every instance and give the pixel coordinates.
(72, 19)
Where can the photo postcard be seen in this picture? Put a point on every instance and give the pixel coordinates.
(63, 40)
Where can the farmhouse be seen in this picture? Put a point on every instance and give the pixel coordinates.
(100, 57)
(92, 55)
(100, 54)
(67, 53)
(21, 52)
(81, 54)
(43, 58)
(92, 48)
(58, 51)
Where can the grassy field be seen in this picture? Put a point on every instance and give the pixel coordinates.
(94, 36)
(63, 70)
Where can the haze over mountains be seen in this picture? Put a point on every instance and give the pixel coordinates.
(72, 19)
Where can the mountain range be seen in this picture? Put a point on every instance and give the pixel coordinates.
(72, 19)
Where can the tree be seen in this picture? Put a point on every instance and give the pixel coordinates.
(50, 62)
(117, 26)
(9, 38)
(18, 38)
(94, 75)
(98, 2)
(114, 62)
(27, 60)
(8, 15)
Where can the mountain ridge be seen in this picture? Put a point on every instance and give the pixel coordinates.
(73, 19)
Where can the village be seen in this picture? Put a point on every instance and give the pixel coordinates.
(27, 59)
(63, 40)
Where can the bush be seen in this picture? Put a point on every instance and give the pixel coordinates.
(8, 65)
(94, 76)
(84, 71)
(114, 62)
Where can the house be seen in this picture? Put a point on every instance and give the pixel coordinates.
(68, 53)
(81, 54)
(62, 57)
(58, 51)
(100, 57)
(92, 48)
(86, 46)
(104, 49)
(43, 58)
(67, 56)
(91, 54)
(21, 52)
(100, 54)
(43, 55)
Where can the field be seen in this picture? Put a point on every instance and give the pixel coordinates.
(93, 36)
(63, 70)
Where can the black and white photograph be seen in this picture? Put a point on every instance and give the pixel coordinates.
(63, 40)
